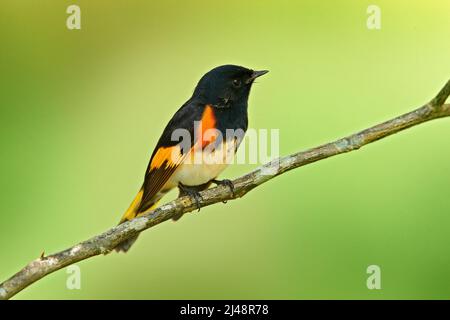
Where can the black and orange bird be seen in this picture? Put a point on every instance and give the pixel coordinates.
(198, 142)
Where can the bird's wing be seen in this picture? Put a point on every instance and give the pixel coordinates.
(169, 154)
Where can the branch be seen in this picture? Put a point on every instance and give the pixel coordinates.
(106, 241)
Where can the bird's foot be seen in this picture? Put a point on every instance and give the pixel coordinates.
(192, 193)
(225, 182)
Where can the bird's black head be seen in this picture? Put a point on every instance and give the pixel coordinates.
(226, 86)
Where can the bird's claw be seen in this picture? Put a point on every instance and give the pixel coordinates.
(197, 197)
(193, 194)
(225, 182)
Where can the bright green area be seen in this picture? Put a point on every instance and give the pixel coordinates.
(82, 110)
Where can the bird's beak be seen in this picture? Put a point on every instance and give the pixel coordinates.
(257, 74)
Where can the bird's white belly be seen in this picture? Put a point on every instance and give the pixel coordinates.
(203, 165)
(197, 174)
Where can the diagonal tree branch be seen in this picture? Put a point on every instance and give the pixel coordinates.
(106, 241)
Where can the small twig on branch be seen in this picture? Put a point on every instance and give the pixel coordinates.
(106, 241)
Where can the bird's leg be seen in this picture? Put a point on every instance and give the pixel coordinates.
(191, 192)
(225, 182)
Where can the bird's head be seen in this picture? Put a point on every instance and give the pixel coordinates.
(227, 85)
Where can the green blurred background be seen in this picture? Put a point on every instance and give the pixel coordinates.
(81, 112)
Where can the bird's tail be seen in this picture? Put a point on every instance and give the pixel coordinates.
(131, 213)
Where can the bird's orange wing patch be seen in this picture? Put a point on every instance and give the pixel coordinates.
(207, 132)
(165, 156)
(162, 165)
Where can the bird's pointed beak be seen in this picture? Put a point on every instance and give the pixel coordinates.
(257, 74)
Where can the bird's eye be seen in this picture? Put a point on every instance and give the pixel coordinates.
(237, 83)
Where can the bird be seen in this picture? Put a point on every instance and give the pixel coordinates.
(198, 142)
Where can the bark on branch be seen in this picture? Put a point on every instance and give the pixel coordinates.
(106, 241)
